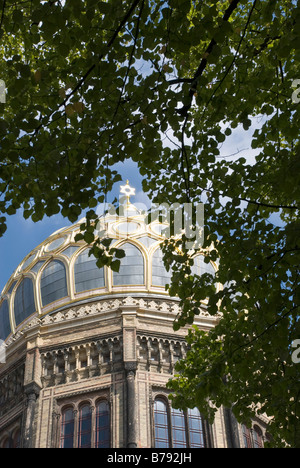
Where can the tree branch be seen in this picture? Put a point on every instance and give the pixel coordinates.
(268, 205)
(185, 109)
(2, 14)
(91, 69)
(234, 58)
(130, 59)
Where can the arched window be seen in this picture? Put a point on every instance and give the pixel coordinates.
(67, 429)
(24, 304)
(87, 275)
(196, 429)
(177, 429)
(131, 270)
(102, 439)
(53, 283)
(6, 443)
(85, 427)
(257, 437)
(161, 425)
(160, 276)
(17, 439)
(252, 438)
(247, 437)
(5, 329)
(200, 267)
(13, 440)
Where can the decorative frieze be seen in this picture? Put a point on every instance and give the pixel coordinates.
(105, 356)
(83, 361)
(163, 308)
(157, 354)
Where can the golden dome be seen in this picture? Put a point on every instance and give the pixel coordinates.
(59, 272)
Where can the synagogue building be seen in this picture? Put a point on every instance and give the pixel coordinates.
(89, 351)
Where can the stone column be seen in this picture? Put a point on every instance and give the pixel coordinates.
(32, 388)
(130, 369)
(32, 392)
(129, 318)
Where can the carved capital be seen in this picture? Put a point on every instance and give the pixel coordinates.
(130, 368)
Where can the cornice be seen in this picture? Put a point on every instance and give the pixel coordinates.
(160, 310)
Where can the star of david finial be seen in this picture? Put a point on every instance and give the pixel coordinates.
(127, 190)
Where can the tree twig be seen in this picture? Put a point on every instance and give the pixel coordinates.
(91, 69)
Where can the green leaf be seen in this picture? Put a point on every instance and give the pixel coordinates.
(115, 265)
(89, 237)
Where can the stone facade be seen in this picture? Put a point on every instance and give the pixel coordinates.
(89, 351)
(119, 350)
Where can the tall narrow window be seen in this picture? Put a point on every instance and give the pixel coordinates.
(200, 268)
(257, 437)
(178, 429)
(161, 424)
(85, 427)
(160, 276)
(6, 444)
(24, 304)
(247, 437)
(196, 431)
(102, 425)
(13, 441)
(87, 275)
(67, 429)
(131, 270)
(53, 283)
(17, 439)
(5, 329)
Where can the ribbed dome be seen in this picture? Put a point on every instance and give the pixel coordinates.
(59, 271)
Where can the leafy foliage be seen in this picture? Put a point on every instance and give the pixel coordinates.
(91, 83)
